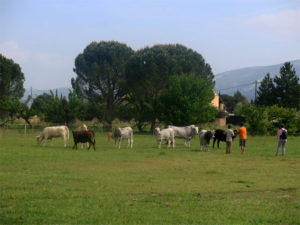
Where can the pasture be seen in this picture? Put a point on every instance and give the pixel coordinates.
(144, 185)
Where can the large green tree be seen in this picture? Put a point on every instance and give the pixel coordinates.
(11, 84)
(100, 70)
(11, 78)
(265, 93)
(186, 100)
(231, 101)
(287, 87)
(148, 73)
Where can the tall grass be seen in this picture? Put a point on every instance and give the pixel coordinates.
(144, 185)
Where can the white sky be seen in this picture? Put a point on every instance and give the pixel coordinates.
(45, 36)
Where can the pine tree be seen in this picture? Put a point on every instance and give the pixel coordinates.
(287, 87)
(265, 93)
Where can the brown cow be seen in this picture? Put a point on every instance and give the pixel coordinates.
(84, 136)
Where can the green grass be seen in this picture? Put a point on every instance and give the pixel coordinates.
(144, 185)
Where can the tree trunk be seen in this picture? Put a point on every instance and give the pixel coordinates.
(152, 126)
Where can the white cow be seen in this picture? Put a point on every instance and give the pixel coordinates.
(123, 133)
(165, 134)
(205, 136)
(53, 132)
(187, 133)
(83, 127)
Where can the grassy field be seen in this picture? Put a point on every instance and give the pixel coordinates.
(144, 185)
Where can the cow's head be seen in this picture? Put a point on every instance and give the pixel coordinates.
(195, 130)
(39, 138)
(157, 130)
(235, 133)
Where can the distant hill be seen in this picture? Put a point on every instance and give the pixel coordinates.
(243, 79)
(35, 92)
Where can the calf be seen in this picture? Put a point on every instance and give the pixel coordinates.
(110, 135)
(165, 134)
(123, 133)
(205, 137)
(220, 136)
(84, 136)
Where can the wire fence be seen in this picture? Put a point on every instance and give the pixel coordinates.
(26, 130)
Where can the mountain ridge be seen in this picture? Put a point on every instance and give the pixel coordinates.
(243, 79)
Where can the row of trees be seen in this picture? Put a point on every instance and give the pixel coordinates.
(170, 83)
(283, 90)
(167, 82)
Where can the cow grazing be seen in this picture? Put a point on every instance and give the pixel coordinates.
(53, 132)
(84, 136)
(220, 136)
(205, 136)
(110, 135)
(123, 133)
(187, 133)
(165, 134)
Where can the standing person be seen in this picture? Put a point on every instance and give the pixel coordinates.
(242, 131)
(282, 139)
(229, 134)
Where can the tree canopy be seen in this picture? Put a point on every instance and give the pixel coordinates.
(287, 87)
(265, 94)
(186, 100)
(11, 78)
(149, 70)
(100, 70)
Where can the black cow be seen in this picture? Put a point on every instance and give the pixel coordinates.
(84, 136)
(220, 136)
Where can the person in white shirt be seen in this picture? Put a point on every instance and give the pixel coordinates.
(229, 134)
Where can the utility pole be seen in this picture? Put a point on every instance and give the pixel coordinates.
(255, 92)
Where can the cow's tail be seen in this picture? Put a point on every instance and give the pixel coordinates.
(68, 133)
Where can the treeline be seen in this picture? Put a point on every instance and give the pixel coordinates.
(168, 83)
(278, 102)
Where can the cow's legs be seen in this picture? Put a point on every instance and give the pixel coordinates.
(158, 143)
(214, 142)
(65, 141)
(46, 137)
(173, 143)
(169, 143)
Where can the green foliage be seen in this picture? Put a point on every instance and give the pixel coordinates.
(100, 70)
(60, 110)
(11, 79)
(148, 73)
(287, 87)
(265, 93)
(266, 120)
(231, 101)
(11, 86)
(256, 117)
(10, 106)
(186, 100)
(280, 115)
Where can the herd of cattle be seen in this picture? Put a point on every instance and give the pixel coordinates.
(84, 135)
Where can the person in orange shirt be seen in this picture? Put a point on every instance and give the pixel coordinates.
(242, 131)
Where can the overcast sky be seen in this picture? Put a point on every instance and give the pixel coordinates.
(45, 36)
